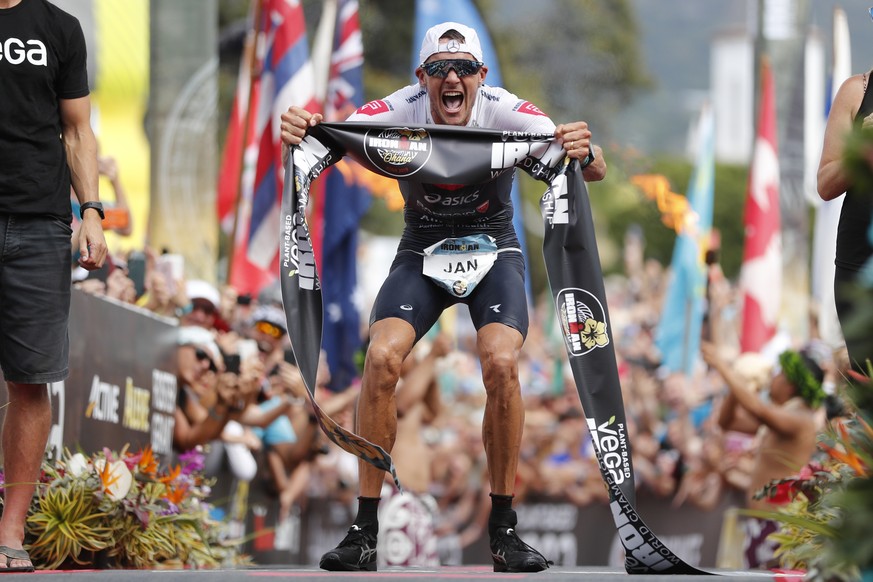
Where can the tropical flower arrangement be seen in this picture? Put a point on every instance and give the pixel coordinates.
(827, 509)
(120, 510)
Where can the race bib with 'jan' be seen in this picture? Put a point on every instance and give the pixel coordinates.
(458, 264)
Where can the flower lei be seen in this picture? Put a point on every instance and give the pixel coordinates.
(802, 378)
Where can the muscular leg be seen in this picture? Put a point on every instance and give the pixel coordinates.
(499, 346)
(25, 433)
(391, 340)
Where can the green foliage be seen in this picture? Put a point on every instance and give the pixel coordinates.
(122, 507)
(68, 523)
(618, 204)
(380, 220)
(801, 378)
(578, 59)
(827, 521)
(387, 29)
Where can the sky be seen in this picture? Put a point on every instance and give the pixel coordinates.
(676, 36)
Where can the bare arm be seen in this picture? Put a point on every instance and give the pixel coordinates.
(107, 166)
(832, 178)
(776, 418)
(415, 382)
(576, 139)
(254, 415)
(188, 434)
(294, 124)
(81, 148)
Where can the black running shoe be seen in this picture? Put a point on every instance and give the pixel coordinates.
(510, 554)
(356, 552)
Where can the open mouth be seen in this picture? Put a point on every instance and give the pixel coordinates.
(452, 101)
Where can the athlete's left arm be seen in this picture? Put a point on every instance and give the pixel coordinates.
(576, 139)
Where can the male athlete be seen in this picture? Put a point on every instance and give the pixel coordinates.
(461, 221)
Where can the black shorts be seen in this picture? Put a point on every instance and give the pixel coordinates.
(35, 268)
(415, 298)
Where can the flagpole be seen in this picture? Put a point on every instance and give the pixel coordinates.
(250, 54)
(322, 49)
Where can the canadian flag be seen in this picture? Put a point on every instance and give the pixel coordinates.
(761, 274)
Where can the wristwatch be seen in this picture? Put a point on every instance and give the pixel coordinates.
(588, 159)
(98, 206)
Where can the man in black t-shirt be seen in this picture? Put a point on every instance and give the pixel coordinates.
(46, 145)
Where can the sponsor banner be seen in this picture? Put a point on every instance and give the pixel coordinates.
(435, 154)
(301, 292)
(581, 536)
(576, 280)
(122, 384)
(566, 533)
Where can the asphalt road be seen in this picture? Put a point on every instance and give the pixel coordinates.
(261, 574)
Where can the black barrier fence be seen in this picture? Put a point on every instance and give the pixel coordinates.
(565, 533)
(122, 383)
(122, 391)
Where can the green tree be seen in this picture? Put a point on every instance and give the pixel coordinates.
(626, 205)
(579, 58)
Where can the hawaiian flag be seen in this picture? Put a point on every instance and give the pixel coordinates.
(286, 78)
(236, 176)
(345, 86)
(761, 274)
(345, 202)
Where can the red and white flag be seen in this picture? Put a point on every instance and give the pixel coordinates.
(285, 78)
(237, 172)
(761, 274)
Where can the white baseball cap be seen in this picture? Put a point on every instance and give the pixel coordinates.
(431, 43)
(198, 289)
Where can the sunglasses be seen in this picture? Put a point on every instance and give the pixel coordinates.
(269, 329)
(462, 67)
(201, 356)
(205, 306)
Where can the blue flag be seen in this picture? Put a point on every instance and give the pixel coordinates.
(678, 333)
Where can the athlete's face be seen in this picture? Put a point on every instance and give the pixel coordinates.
(452, 95)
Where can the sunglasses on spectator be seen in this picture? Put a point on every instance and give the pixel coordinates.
(201, 356)
(205, 306)
(269, 329)
(462, 67)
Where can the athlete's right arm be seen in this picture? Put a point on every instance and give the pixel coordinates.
(295, 122)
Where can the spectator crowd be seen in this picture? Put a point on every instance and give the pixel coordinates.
(243, 399)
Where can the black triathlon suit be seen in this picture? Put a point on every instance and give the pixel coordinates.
(434, 212)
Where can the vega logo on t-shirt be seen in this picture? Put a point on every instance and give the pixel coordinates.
(15, 51)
